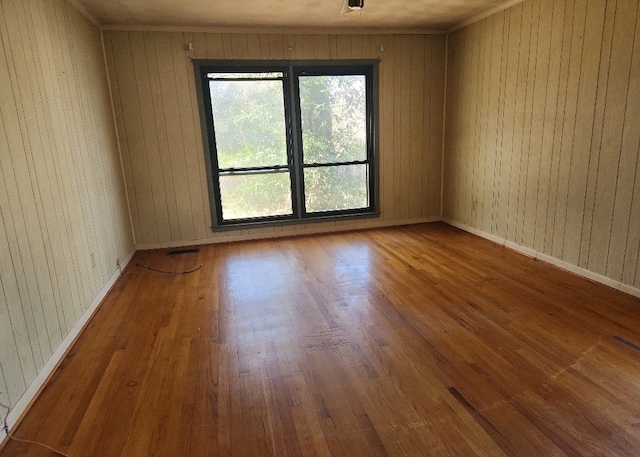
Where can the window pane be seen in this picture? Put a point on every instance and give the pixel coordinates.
(333, 112)
(336, 188)
(249, 123)
(255, 195)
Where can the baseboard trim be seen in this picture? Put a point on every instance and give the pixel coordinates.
(40, 381)
(263, 236)
(548, 259)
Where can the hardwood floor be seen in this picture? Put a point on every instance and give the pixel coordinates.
(413, 341)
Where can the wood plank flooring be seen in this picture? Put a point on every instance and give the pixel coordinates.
(414, 341)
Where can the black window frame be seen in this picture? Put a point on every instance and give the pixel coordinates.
(291, 71)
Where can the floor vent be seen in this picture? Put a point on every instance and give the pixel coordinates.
(184, 251)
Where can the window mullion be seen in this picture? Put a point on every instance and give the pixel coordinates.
(297, 186)
(335, 164)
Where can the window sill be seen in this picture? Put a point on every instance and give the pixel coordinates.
(245, 225)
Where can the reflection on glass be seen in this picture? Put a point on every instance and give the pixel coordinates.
(266, 75)
(333, 112)
(255, 195)
(249, 123)
(336, 188)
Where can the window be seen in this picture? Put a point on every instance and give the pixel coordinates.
(288, 142)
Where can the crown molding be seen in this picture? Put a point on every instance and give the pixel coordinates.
(291, 30)
(77, 5)
(484, 15)
(275, 30)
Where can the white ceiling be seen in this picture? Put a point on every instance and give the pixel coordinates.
(419, 15)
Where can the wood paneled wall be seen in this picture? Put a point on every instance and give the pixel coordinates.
(63, 216)
(543, 137)
(159, 123)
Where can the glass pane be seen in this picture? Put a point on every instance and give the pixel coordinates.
(336, 188)
(333, 112)
(248, 117)
(255, 195)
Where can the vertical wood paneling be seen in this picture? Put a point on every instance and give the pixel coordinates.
(520, 112)
(416, 124)
(495, 116)
(159, 124)
(17, 274)
(568, 130)
(567, 150)
(4, 394)
(170, 220)
(29, 142)
(386, 107)
(124, 145)
(434, 126)
(550, 111)
(479, 137)
(528, 165)
(253, 46)
(195, 156)
(456, 111)
(508, 132)
(559, 124)
(596, 135)
(321, 46)
(587, 90)
(63, 216)
(397, 126)
(607, 184)
(57, 322)
(150, 146)
(16, 352)
(499, 149)
(65, 137)
(486, 133)
(538, 119)
(631, 139)
(134, 155)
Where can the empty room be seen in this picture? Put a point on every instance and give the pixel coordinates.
(319, 228)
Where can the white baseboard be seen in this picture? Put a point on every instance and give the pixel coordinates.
(549, 259)
(226, 237)
(39, 382)
(124, 262)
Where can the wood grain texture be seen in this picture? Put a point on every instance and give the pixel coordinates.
(563, 156)
(63, 211)
(159, 122)
(414, 341)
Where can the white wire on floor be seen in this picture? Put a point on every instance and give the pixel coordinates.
(6, 429)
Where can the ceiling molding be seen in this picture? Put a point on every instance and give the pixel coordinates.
(76, 4)
(292, 30)
(484, 15)
(275, 30)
